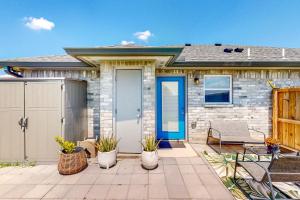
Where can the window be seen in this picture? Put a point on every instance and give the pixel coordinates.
(217, 89)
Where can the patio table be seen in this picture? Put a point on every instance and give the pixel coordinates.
(260, 150)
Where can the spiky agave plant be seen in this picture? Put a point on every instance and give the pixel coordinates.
(107, 143)
(150, 143)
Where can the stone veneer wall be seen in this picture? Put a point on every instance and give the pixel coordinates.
(252, 99)
(93, 91)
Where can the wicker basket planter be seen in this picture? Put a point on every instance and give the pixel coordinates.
(72, 163)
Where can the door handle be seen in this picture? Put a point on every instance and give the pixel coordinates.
(138, 116)
(23, 123)
(26, 123)
(182, 111)
(20, 122)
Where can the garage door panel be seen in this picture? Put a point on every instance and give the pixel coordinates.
(43, 126)
(43, 110)
(11, 111)
(12, 95)
(43, 95)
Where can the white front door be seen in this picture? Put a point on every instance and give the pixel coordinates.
(129, 110)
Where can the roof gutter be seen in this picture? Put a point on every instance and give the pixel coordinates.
(45, 64)
(223, 64)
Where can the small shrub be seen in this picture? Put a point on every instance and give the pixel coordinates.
(150, 143)
(67, 147)
(107, 143)
(272, 141)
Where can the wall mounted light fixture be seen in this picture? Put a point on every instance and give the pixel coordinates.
(196, 78)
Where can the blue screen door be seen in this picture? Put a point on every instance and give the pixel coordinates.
(170, 108)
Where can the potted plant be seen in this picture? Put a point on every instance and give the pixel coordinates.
(107, 151)
(72, 159)
(149, 154)
(272, 145)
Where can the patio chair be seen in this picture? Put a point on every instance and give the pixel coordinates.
(231, 132)
(285, 168)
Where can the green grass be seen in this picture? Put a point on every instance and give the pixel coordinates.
(17, 164)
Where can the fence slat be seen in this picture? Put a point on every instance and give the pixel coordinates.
(275, 114)
(286, 116)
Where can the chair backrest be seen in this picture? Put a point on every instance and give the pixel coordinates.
(285, 169)
(229, 128)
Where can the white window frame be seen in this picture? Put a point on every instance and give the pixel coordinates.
(230, 90)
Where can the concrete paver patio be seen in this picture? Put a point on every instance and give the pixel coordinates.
(175, 178)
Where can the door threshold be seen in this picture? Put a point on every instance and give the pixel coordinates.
(128, 155)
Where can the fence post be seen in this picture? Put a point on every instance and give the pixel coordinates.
(275, 114)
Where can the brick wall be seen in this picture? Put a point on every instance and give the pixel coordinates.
(149, 100)
(252, 99)
(106, 99)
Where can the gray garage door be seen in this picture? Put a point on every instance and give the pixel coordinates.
(39, 103)
(43, 111)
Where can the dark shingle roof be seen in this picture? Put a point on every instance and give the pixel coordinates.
(194, 55)
(204, 53)
(45, 61)
(51, 58)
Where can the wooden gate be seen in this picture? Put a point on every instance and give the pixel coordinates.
(286, 116)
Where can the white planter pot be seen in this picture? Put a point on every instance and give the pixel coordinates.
(149, 159)
(107, 159)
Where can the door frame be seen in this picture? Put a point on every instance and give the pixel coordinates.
(185, 103)
(114, 98)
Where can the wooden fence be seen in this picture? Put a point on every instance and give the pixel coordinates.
(286, 116)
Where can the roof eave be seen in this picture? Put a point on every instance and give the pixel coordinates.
(123, 51)
(44, 64)
(174, 52)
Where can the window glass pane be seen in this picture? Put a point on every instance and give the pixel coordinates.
(217, 82)
(217, 96)
(170, 106)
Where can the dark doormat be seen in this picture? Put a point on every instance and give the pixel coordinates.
(171, 144)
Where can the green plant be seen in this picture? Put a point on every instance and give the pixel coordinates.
(107, 143)
(18, 164)
(233, 188)
(223, 163)
(67, 147)
(150, 143)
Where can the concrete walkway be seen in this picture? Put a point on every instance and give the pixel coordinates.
(175, 178)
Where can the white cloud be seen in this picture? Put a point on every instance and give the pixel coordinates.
(144, 36)
(39, 23)
(125, 42)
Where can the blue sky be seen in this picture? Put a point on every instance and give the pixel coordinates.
(35, 27)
